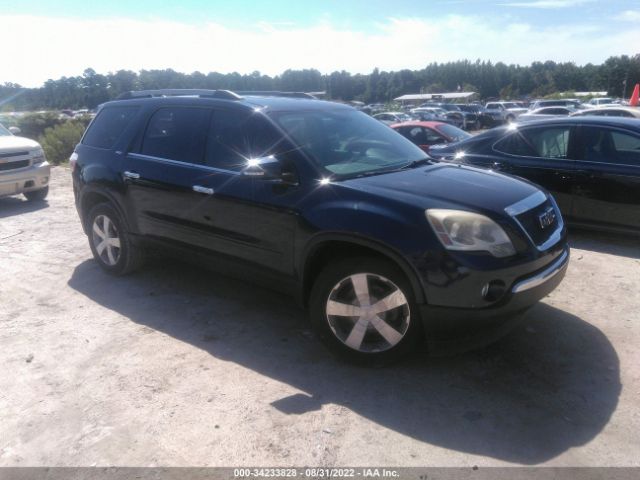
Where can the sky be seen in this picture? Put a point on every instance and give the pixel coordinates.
(46, 39)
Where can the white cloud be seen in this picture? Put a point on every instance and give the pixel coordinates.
(629, 16)
(547, 3)
(56, 47)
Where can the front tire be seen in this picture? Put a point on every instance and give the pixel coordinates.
(363, 309)
(37, 195)
(110, 244)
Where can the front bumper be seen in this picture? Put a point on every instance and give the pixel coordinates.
(452, 330)
(33, 177)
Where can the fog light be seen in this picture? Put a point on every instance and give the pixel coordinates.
(493, 290)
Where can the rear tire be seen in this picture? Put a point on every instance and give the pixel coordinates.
(110, 243)
(363, 309)
(37, 195)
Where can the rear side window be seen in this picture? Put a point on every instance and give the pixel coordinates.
(177, 133)
(107, 127)
(627, 148)
(422, 136)
(610, 146)
(536, 142)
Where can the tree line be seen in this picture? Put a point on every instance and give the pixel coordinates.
(616, 75)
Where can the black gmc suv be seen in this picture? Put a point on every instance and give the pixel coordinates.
(382, 245)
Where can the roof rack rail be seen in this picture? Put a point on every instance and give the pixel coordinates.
(275, 93)
(180, 92)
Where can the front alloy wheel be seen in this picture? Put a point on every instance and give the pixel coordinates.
(368, 312)
(363, 309)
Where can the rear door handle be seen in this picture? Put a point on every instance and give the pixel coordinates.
(131, 175)
(201, 189)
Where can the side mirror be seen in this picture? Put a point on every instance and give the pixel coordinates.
(265, 168)
(15, 130)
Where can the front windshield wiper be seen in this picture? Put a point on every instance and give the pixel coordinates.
(382, 171)
(417, 163)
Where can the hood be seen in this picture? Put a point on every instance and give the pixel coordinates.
(448, 186)
(11, 144)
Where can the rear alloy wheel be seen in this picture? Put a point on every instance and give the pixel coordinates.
(106, 239)
(110, 243)
(363, 311)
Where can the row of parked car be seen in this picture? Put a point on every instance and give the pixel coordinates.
(475, 116)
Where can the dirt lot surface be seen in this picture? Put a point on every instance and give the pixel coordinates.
(177, 366)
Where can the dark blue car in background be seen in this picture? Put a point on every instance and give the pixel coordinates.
(591, 165)
(383, 246)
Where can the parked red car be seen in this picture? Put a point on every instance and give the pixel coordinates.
(427, 134)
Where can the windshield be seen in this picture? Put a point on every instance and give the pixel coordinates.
(347, 143)
(510, 105)
(4, 132)
(454, 133)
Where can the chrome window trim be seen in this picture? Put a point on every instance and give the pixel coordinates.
(179, 163)
(542, 277)
(582, 162)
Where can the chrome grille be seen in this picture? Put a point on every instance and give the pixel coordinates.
(539, 218)
(13, 154)
(13, 165)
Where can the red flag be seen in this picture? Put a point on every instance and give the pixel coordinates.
(635, 96)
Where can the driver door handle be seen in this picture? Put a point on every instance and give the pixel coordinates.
(201, 189)
(131, 175)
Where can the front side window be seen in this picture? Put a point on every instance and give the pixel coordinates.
(177, 133)
(346, 142)
(550, 142)
(106, 128)
(236, 137)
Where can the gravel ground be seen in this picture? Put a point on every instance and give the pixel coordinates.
(177, 366)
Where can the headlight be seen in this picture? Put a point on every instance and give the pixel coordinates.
(37, 156)
(460, 230)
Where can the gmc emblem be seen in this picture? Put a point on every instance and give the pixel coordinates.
(547, 218)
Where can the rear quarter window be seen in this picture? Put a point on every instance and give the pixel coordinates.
(108, 126)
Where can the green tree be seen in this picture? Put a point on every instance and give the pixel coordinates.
(58, 142)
